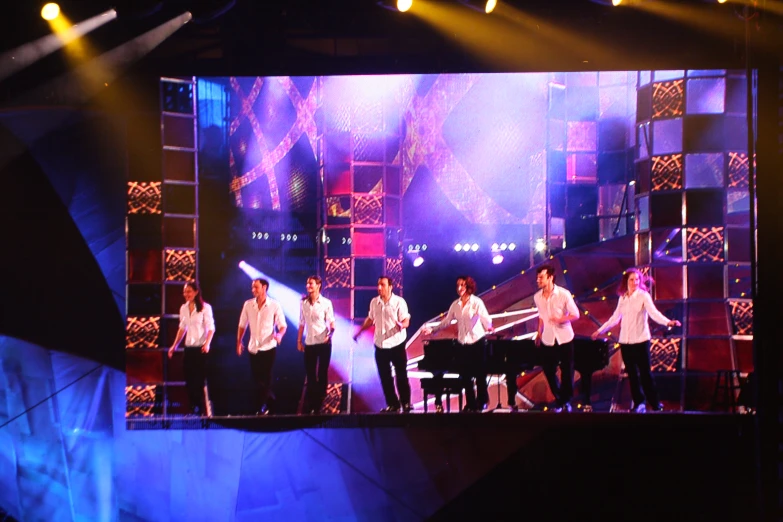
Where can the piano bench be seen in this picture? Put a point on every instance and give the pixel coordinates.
(446, 385)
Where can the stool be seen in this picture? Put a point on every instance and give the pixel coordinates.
(447, 385)
(728, 382)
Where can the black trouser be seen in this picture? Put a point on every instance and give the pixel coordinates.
(559, 355)
(316, 359)
(473, 367)
(586, 384)
(195, 369)
(384, 359)
(637, 364)
(261, 364)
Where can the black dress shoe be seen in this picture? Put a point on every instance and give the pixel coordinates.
(263, 411)
(391, 409)
(407, 408)
(656, 407)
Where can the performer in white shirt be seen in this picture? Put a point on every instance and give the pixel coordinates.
(267, 327)
(316, 319)
(473, 323)
(556, 310)
(389, 314)
(633, 308)
(196, 327)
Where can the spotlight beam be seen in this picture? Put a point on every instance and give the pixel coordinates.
(498, 40)
(569, 41)
(25, 55)
(81, 84)
(707, 20)
(290, 300)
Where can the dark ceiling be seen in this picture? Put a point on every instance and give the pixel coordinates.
(267, 37)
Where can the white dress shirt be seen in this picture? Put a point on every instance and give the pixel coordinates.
(316, 318)
(473, 320)
(262, 323)
(196, 324)
(631, 313)
(385, 316)
(554, 307)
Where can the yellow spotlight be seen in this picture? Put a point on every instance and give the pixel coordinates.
(616, 2)
(721, 1)
(404, 5)
(491, 4)
(50, 11)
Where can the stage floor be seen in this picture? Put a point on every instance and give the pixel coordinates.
(498, 419)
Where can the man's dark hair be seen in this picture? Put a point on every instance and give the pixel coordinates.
(388, 280)
(549, 269)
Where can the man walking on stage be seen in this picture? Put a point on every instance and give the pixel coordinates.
(264, 315)
(389, 314)
(316, 319)
(555, 339)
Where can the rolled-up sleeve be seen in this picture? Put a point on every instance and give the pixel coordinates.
(183, 317)
(244, 317)
(571, 305)
(486, 320)
(402, 311)
(329, 314)
(209, 318)
(280, 318)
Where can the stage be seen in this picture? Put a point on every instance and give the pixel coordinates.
(502, 419)
(608, 466)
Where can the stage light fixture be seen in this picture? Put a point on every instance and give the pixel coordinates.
(616, 2)
(497, 259)
(540, 245)
(475, 247)
(50, 11)
(482, 6)
(458, 247)
(416, 258)
(396, 5)
(512, 246)
(466, 247)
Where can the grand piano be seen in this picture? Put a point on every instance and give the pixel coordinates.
(501, 356)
